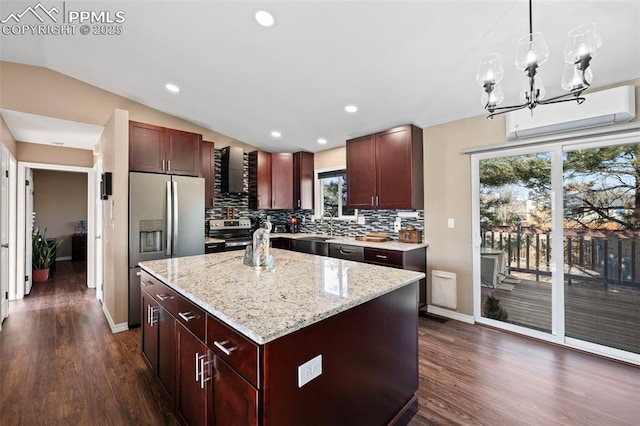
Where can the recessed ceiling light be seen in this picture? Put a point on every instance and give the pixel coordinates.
(172, 88)
(276, 134)
(322, 141)
(264, 18)
(351, 108)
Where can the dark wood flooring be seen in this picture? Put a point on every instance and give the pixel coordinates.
(60, 364)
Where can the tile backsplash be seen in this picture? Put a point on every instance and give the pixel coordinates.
(375, 220)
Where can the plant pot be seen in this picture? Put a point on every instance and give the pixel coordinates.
(40, 275)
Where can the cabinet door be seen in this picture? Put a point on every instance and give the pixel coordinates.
(394, 169)
(235, 401)
(149, 330)
(208, 173)
(259, 180)
(303, 180)
(282, 180)
(146, 148)
(183, 153)
(361, 175)
(166, 352)
(191, 392)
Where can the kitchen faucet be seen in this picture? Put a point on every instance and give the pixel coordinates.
(330, 222)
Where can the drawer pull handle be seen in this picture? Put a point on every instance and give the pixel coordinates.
(220, 345)
(164, 297)
(187, 316)
(146, 283)
(345, 251)
(380, 256)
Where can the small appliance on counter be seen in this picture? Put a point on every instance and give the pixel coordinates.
(280, 228)
(294, 225)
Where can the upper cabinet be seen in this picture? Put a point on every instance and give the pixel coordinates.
(208, 173)
(281, 180)
(384, 170)
(160, 150)
(303, 180)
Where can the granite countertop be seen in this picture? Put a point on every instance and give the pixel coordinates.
(387, 245)
(264, 305)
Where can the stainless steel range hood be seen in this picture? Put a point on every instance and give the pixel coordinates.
(232, 171)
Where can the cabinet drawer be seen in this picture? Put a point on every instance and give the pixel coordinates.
(166, 297)
(235, 349)
(384, 257)
(192, 317)
(342, 251)
(148, 283)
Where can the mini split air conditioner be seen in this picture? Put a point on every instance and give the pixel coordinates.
(600, 108)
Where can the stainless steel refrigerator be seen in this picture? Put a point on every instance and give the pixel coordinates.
(166, 219)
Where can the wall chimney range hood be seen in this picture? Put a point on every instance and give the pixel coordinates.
(232, 170)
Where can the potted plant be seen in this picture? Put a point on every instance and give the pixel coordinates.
(42, 255)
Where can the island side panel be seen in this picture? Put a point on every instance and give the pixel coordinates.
(369, 365)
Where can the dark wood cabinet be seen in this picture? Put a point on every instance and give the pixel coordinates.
(209, 173)
(235, 401)
(280, 243)
(192, 378)
(385, 171)
(282, 181)
(303, 180)
(259, 180)
(160, 150)
(213, 248)
(149, 330)
(166, 352)
(411, 260)
(79, 247)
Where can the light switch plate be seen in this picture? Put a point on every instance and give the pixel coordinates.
(309, 370)
(450, 222)
(361, 220)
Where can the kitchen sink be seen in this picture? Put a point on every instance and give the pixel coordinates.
(315, 238)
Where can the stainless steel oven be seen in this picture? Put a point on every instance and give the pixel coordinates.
(236, 233)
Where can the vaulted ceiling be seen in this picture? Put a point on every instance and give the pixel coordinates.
(397, 61)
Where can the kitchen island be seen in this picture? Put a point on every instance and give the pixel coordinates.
(315, 341)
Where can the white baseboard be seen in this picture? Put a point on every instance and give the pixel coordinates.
(115, 328)
(447, 313)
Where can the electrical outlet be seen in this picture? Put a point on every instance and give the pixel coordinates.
(397, 224)
(309, 370)
(360, 220)
(450, 222)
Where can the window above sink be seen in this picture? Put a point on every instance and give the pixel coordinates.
(331, 195)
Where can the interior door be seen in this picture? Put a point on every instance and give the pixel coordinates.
(29, 221)
(4, 233)
(98, 213)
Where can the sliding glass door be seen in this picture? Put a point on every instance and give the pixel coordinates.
(515, 227)
(557, 252)
(601, 243)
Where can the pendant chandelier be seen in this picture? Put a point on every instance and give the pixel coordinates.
(582, 44)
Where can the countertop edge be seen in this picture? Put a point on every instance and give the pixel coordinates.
(261, 340)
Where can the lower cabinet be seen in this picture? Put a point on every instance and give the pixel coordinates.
(202, 388)
(193, 375)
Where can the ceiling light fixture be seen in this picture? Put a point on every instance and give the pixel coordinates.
(172, 87)
(322, 141)
(264, 18)
(351, 108)
(582, 44)
(276, 134)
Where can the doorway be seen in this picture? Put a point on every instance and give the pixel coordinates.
(24, 169)
(558, 227)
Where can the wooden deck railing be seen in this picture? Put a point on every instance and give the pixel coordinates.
(604, 257)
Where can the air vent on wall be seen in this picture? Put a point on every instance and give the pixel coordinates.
(600, 108)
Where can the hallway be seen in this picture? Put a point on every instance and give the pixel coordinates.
(60, 363)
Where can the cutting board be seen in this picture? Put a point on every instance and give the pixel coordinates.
(372, 239)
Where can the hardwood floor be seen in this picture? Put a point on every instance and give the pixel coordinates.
(60, 364)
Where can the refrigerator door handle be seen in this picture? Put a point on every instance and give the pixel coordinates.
(175, 215)
(169, 219)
